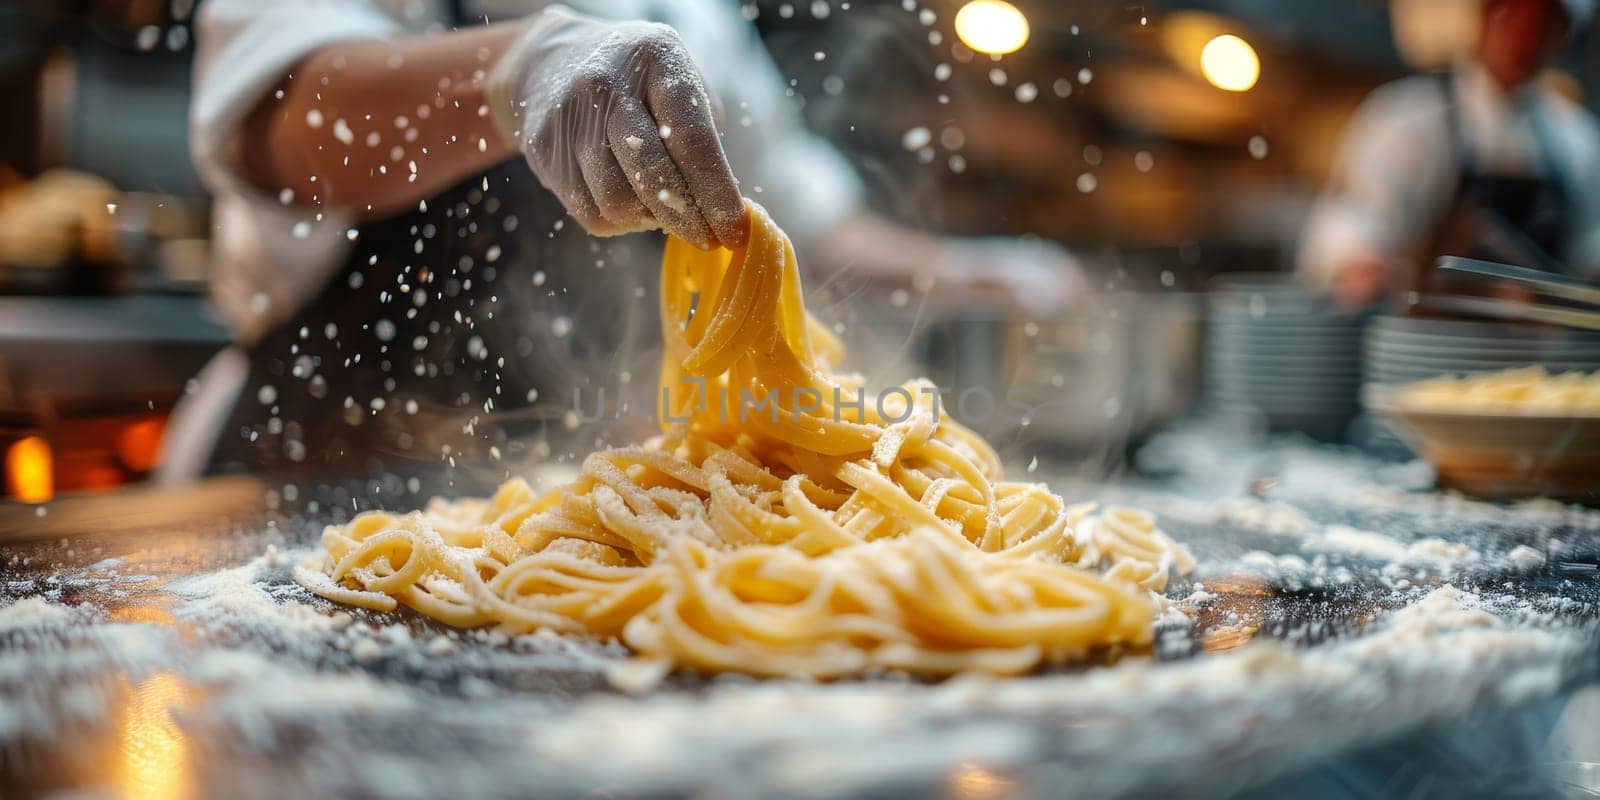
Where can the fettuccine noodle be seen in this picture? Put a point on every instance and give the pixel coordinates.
(815, 536)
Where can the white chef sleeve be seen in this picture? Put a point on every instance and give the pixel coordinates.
(1394, 172)
(243, 49)
(804, 182)
(270, 258)
(1575, 136)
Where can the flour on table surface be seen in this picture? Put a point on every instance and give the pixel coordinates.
(1351, 611)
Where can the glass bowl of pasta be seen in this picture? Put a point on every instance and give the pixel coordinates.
(1516, 433)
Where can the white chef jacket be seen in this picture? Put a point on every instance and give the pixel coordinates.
(268, 264)
(271, 258)
(1399, 164)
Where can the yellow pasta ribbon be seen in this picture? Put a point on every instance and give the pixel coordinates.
(812, 535)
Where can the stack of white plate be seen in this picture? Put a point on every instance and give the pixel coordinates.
(1279, 354)
(1403, 349)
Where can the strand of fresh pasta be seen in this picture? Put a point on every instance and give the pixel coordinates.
(817, 537)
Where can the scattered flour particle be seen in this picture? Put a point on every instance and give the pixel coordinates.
(476, 688)
(637, 676)
(1445, 608)
(916, 138)
(32, 612)
(342, 132)
(366, 649)
(1345, 539)
(1525, 557)
(314, 119)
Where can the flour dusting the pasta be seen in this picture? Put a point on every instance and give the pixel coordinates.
(783, 523)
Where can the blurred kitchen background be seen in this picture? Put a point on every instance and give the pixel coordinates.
(1164, 143)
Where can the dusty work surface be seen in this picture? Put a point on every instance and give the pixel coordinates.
(1344, 628)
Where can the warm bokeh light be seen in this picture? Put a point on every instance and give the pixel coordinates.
(139, 444)
(972, 782)
(992, 26)
(1230, 63)
(155, 751)
(30, 473)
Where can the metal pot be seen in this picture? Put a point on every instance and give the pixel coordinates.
(1084, 385)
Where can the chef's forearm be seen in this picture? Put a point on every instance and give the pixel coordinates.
(373, 127)
(869, 245)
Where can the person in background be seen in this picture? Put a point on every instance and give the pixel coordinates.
(1486, 160)
(378, 167)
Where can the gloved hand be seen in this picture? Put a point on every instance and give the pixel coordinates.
(1036, 277)
(615, 119)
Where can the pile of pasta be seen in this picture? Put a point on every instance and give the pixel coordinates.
(1529, 390)
(820, 538)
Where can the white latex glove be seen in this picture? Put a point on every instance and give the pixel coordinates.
(615, 119)
(1037, 277)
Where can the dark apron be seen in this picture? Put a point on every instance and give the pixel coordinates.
(1494, 216)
